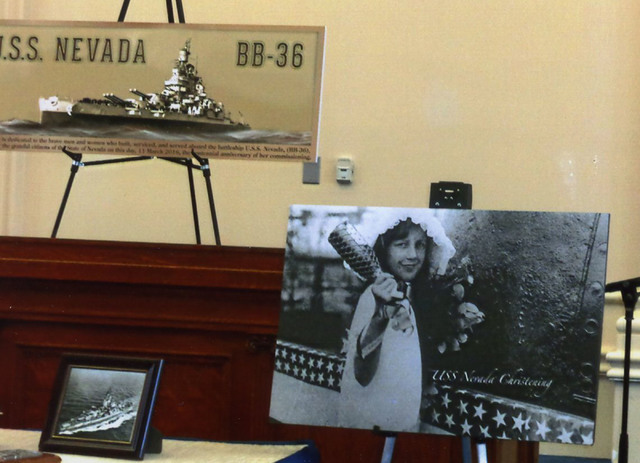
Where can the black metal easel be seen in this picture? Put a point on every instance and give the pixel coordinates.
(203, 164)
(629, 290)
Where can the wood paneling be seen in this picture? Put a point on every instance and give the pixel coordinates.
(210, 312)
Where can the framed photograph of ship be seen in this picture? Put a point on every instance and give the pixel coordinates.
(144, 89)
(443, 321)
(102, 406)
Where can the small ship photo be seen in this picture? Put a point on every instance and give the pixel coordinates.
(110, 415)
(100, 404)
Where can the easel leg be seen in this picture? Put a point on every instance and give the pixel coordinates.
(387, 451)
(207, 175)
(75, 166)
(466, 450)
(169, 11)
(481, 448)
(630, 298)
(194, 205)
(180, 10)
(206, 172)
(123, 10)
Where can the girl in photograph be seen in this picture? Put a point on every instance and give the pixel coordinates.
(399, 322)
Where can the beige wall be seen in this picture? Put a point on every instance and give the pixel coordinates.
(535, 103)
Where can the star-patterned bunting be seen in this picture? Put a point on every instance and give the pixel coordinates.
(484, 416)
(309, 365)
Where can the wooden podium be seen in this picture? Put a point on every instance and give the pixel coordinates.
(210, 312)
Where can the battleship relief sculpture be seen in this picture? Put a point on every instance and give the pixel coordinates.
(183, 104)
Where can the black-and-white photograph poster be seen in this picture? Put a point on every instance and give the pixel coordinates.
(459, 322)
(144, 89)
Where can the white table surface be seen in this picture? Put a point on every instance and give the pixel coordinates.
(173, 451)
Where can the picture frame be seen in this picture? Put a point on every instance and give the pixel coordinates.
(102, 406)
